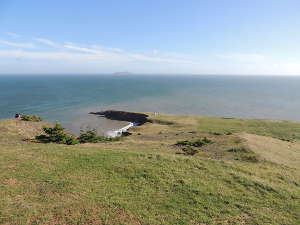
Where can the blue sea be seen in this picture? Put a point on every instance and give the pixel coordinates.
(69, 98)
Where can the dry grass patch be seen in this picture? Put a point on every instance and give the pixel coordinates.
(274, 150)
(13, 130)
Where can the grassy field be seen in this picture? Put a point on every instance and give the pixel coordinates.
(248, 174)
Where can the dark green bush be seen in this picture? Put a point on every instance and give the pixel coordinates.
(249, 158)
(286, 139)
(57, 134)
(201, 142)
(196, 143)
(188, 150)
(216, 133)
(190, 147)
(243, 153)
(31, 118)
(183, 143)
(90, 136)
(239, 150)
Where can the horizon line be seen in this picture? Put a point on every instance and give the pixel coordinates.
(147, 74)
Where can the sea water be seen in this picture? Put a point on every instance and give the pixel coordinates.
(69, 98)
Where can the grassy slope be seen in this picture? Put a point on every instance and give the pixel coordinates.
(141, 179)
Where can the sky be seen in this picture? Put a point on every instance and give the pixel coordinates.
(259, 37)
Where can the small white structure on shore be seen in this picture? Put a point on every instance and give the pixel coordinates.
(118, 133)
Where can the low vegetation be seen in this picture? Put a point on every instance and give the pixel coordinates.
(90, 136)
(31, 118)
(285, 130)
(191, 147)
(57, 135)
(243, 153)
(195, 143)
(241, 178)
(188, 150)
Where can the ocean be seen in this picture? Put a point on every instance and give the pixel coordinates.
(68, 98)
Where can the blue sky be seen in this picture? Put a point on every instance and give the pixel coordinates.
(150, 36)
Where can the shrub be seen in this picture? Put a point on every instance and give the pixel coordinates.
(239, 150)
(188, 150)
(196, 143)
(243, 153)
(216, 133)
(189, 147)
(249, 158)
(90, 136)
(57, 134)
(183, 143)
(286, 139)
(31, 118)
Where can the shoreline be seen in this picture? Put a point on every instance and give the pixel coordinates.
(134, 119)
(119, 132)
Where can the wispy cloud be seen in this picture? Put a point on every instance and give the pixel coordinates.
(47, 42)
(242, 57)
(111, 53)
(146, 58)
(155, 52)
(70, 57)
(12, 35)
(17, 44)
(82, 49)
(103, 48)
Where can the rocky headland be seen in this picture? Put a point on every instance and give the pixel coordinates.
(133, 117)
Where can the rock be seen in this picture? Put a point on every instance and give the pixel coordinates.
(139, 118)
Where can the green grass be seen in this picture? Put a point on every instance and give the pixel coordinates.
(141, 180)
(285, 130)
(151, 188)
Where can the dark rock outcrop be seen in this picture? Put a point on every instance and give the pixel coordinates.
(139, 118)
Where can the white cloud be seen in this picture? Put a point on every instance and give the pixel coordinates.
(155, 52)
(103, 48)
(82, 49)
(240, 57)
(70, 57)
(12, 35)
(110, 53)
(115, 50)
(141, 57)
(46, 42)
(17, 44)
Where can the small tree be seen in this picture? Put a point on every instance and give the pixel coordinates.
(57, 134)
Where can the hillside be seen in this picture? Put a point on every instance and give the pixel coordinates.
(176, 170)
